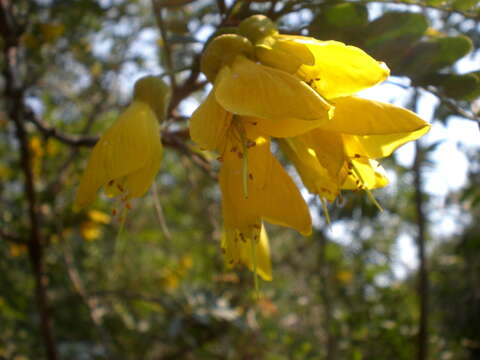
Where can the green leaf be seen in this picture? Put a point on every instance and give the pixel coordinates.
(462, 87)
(432, 55)
(390, 37)
(340, 22)
(395, 26)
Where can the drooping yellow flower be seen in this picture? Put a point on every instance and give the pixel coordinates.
(127, 157)
(254, 185)
(244, 87)
(331, 68)
(336, 154)
(270, 85)
(341, 154)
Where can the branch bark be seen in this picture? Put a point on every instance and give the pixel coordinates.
(14, 98)
(326, 296)
(423, 281)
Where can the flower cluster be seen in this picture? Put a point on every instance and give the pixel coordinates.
(300, 90)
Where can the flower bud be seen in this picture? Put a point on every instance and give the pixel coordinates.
(257, 27)
(153, 91)
(222, 51)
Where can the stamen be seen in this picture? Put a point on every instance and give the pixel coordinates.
(373, 200)
(245, 161)
(362, 187)
(255, 275)
(325, 210)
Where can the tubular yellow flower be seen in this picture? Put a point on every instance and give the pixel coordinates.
(258, 188)
(341, 153)
(331, 68)
(245, 87)
(270, 85)
(254, 188)
(127, 157)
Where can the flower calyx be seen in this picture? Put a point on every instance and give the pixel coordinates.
(153, 91)
(222, 51)
(257, 27)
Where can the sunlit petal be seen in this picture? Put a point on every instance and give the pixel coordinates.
(252, 89)
(209, 123)
(341, 70)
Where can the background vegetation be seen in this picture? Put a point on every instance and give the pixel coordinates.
(70, 288)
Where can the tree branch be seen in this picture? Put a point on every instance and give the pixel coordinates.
(16, 110)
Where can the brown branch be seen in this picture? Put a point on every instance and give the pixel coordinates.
(50, 131)
(452, 105)
(158, 12)
(326, 296)
(16, 110)
(12, 237)
(423, 281)
(91, 302)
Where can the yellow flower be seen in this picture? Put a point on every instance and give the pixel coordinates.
(244, 87)
(299, 88)
(331, 68)
(340, 154)
(255, 186)
(127, 157)
(336, 154)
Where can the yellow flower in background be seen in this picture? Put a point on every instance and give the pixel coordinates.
(127, 157)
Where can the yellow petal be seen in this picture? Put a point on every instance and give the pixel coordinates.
(238, 250)
(378, 146)
(251, 89)
(284, 54)
(328, 148)
(138, 182)
(314, 176)
(357, 116)
(340, 70)
(125, 148)
(282, 203)
(209, 123)
(271, 192)
(238, 211)
(282, 128)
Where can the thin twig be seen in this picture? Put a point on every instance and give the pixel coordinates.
(12, 237)
(159, 211)
(452, 105)
(158, 11)
(49, 131)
